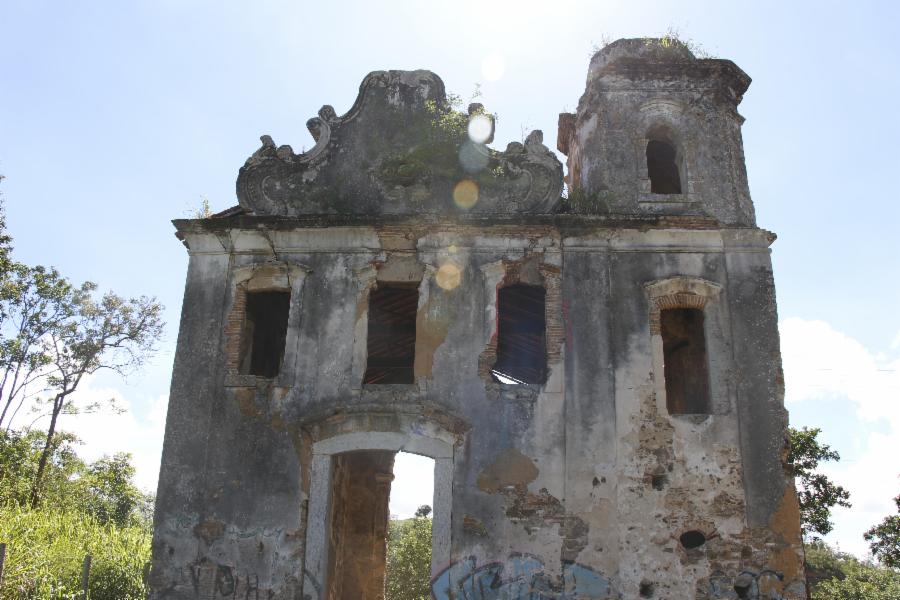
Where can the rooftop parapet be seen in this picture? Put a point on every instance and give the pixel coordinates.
(401, 149)
(653, 59)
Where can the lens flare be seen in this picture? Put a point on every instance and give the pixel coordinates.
(465, 193)
(448, 276)
(480, 128)
(493, 66)
(473, 157)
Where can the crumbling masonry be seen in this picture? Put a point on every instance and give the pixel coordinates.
(596, 375)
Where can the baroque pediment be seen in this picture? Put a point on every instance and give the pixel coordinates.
(402, 148)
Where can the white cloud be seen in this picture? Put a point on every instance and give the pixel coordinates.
(820, 361)
(138, 429)
(823, 365)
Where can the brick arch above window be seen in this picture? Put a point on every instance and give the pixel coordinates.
(686, 349)
(678, 292)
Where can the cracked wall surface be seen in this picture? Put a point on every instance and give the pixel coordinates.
(583, 486)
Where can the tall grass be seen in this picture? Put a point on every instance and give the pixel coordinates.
(45, 550)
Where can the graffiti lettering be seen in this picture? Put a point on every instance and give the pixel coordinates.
(215, 581)
(520, 577)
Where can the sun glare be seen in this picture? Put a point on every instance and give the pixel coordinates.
(493, 66)
(480, 127)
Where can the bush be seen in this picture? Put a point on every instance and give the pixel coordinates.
(103, 489)
(45, 550)
(861, 581)
(835, 575)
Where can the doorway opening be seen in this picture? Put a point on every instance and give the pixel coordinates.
(381, 525)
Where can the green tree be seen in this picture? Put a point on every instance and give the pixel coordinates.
(834, 575)
(35, 302)
(19, 454)
(817, 494)
(53, 334)
(104, 490)
(109, 333)
(55, 508)
(5, 239)
(109, 494)
(884, 539)
(408, 570)
(86, 509)
(861, 581)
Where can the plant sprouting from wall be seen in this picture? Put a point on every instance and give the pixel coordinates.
(447, 128)
(203, 211)
(674, 41)
(577, 200)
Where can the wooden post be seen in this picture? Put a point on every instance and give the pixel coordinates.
(85, 576)
(2, 561)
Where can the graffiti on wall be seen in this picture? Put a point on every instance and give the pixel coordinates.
(214, 581)
(520, 577)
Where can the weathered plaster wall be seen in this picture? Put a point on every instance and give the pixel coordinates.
(586, 469)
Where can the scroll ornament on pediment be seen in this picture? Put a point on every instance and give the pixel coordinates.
(403, 148)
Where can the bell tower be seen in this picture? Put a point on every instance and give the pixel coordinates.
(657, 131)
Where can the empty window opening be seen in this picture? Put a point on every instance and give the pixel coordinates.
(380, 536)
(662, 168)
(521, 335)
(264, 333)
(392, 333)
(685, 361)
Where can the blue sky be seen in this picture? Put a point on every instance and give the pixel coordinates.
(116, 117)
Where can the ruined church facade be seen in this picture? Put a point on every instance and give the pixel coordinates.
(596, 373)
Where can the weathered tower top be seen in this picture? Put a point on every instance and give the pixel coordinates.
(657, 132)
